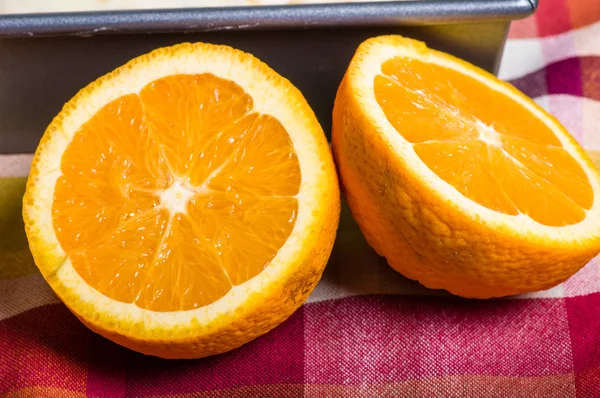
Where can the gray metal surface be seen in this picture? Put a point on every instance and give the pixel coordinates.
(337, 15)
(39, 74)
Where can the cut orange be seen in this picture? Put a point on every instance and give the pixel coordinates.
(458, 179)
(185, 203)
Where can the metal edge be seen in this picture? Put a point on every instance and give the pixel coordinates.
(534, 5)
(377, 14)
(501, 48)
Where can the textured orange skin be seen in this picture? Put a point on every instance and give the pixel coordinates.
(263, 310)
(423, 235)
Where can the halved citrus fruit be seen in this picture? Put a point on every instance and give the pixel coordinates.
(185, 203)
(457, 178)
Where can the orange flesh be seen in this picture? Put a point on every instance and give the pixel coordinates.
(486, 145)
(169, 198)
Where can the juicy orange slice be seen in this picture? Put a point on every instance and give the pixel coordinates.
(489, 147)
(458, 179)
(177, 200)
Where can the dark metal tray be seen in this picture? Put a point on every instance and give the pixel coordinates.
(46, 58)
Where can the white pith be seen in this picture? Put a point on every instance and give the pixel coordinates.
(175, 198)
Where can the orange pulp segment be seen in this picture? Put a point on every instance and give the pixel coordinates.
(170, 197)
(489, 147)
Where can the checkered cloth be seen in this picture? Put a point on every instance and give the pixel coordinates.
(366, 331)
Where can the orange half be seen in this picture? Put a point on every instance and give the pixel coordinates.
(187, 191)
(459, 179)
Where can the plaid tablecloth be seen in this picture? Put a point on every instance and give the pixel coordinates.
(365, 331)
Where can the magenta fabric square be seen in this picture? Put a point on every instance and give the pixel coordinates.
(383, 339)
